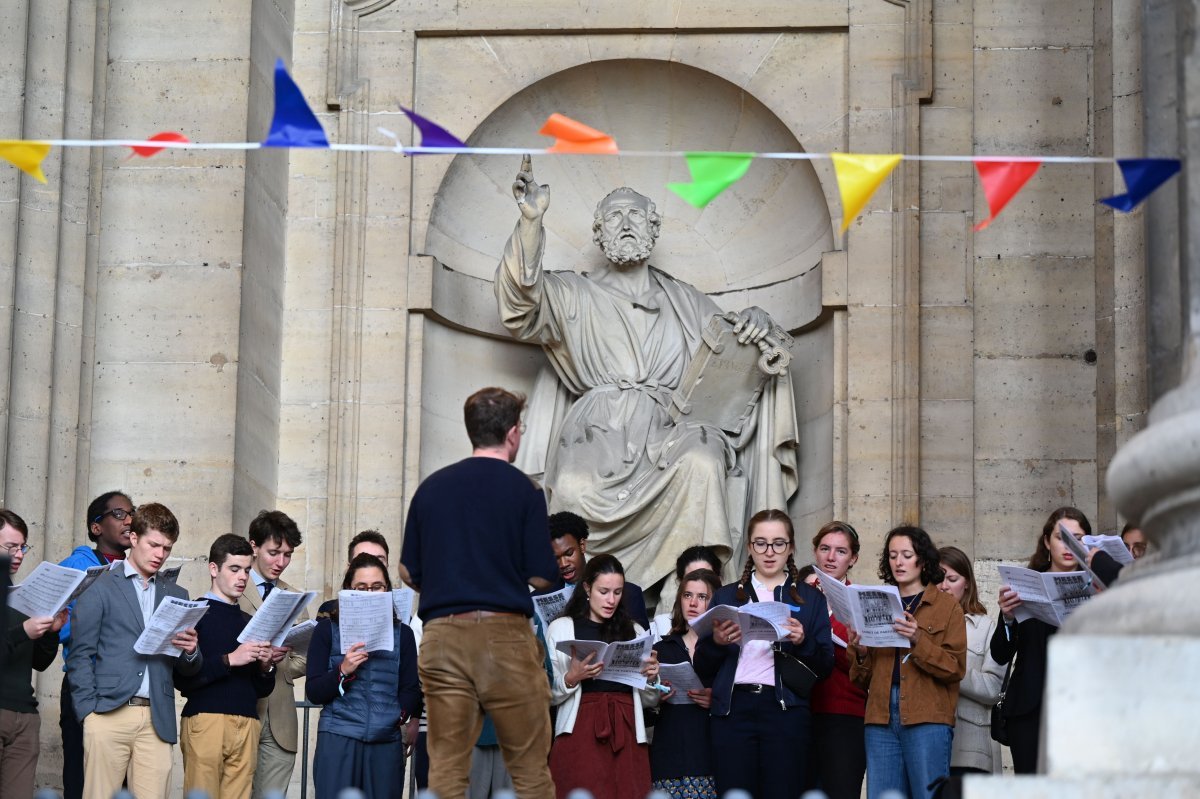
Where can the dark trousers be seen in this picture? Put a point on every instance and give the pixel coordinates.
(1024, 736)
(376, 769)
(72, 740)
(838, 756)
(755, 747)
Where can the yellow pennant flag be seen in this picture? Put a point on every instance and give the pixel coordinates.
(858, 177)
(26, 156)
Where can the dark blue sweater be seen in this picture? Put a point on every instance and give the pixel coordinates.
(216, 688)
(476, 532)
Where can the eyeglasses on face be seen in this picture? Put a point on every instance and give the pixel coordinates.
(369, 587)
(13, 549)
(120, 514)
(761, 545)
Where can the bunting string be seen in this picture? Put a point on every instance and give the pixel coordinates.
(859, 176)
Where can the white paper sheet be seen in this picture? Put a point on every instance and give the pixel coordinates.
(171, 617)
(50, 588)
(871, 610)
(550, 606)
(402, 601)
(682, 677)
(276, 616)
(366, 617)
(300, 636)
(622, 659)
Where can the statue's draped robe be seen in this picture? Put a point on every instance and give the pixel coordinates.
(599, 428)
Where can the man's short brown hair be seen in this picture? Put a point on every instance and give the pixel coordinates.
(490, 413)
(10, 519)
(153, 516)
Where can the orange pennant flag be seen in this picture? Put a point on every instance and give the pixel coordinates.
(1001, 181)
(167, 135)
(858, 177)
(26, 156)
(575, 137)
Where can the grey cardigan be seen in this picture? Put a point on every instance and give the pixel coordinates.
(978, 691)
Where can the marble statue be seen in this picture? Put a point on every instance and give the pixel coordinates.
(599, 427)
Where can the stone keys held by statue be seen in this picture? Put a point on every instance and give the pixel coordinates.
(725, 379)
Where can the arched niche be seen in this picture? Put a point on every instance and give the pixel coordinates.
(758, 243)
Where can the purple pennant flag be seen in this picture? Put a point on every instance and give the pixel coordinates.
(294, 124)
(1142, 177)
(432, 134)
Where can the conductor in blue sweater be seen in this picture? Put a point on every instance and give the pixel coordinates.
(219, 739)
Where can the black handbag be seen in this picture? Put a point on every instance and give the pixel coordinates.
(796, 677)
(999, 722)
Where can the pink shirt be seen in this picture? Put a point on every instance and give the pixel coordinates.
(756, 663)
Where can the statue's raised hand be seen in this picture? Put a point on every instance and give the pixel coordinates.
(532, 199)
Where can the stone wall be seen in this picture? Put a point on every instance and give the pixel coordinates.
(297, 329)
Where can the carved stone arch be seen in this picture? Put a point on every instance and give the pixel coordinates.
(760, 242)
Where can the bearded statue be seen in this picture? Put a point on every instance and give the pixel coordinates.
(600, 433)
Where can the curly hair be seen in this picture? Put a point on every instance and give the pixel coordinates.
(927, 555)
(1040, 560)
(620, 626)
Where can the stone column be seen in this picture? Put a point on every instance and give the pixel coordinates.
(1121, 698)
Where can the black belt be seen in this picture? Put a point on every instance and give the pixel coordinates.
(139, 701)
(753, 687)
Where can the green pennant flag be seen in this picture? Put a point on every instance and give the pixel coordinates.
(712, 173)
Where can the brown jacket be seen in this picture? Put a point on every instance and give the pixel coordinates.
(929, 679)
(281, 704)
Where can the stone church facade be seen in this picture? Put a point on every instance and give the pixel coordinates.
(225, 331)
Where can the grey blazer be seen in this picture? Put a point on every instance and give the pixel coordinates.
(102, 668)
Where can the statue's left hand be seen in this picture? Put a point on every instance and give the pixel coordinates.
(752, 325)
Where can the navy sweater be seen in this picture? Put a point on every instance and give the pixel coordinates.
(216, 688)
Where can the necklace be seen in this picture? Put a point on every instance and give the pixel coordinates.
(910, 603)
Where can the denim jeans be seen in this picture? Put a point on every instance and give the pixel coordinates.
(906, 758)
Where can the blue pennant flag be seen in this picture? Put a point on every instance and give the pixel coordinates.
(1142, 177)
(294, 124)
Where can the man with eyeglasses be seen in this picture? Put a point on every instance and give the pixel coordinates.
(29, 643)
(108, 520)
(474, 541)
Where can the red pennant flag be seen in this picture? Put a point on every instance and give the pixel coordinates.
(166, 135)
(1001, 182)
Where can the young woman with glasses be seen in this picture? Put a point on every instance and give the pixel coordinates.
(839, 758)
(760, 727)
(372, 701)
(912, 692)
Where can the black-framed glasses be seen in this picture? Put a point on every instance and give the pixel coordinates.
(120, 514)
(761, 545)
(13, 549)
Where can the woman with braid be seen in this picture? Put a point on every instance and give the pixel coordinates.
(760, 728)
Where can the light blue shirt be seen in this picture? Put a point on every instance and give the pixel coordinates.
(260, 583)
(144, 590)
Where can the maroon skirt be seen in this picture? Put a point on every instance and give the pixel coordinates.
(602, 753)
